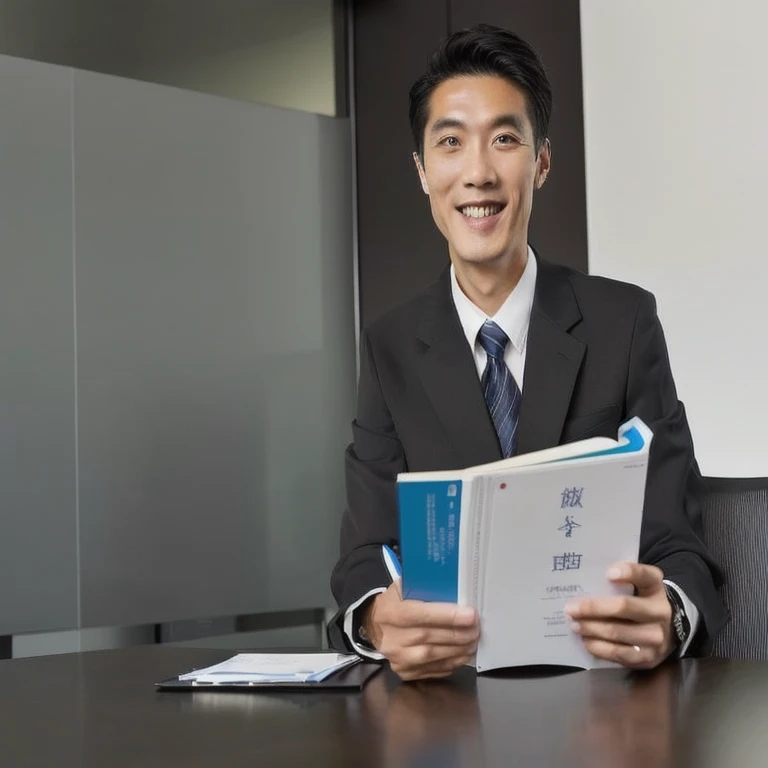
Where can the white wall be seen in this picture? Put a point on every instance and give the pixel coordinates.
(676, 111)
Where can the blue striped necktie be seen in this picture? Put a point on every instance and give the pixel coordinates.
(502, 395)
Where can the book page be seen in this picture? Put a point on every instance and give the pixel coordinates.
(552, 534)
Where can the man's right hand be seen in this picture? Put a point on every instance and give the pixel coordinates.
(420, 639)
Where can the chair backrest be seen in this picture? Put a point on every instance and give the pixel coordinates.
(735, 517)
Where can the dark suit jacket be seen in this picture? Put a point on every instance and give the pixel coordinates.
(595, 357)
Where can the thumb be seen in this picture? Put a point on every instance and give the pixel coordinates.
(646, 579)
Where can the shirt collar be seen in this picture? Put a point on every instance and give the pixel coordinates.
(513, 316)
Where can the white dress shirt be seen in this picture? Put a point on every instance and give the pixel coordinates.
(514, 318)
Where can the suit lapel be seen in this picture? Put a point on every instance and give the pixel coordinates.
(553, 360)
(447, 369)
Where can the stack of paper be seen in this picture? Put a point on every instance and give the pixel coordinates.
(260, 668)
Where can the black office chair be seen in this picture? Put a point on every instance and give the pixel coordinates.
(735, 519)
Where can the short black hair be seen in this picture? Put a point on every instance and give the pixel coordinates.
(484, 50)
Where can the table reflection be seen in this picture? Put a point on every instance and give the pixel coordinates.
(427, 723)
(636, 729)
(598, 718)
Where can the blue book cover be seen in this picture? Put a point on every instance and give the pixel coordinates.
(430, 512)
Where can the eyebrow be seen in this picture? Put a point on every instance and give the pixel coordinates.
(511, 120)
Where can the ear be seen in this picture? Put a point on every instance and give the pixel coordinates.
(543, 164)
(422, 175)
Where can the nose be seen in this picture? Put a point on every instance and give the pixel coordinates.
(479, 170)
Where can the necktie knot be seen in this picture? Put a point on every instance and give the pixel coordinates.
(493, 340)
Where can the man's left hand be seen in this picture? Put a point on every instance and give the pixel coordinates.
(614, 627)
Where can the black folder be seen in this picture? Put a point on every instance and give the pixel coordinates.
(351, 678)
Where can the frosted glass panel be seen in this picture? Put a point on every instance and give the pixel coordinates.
(38, 541)
(216, 351)
(177, 334)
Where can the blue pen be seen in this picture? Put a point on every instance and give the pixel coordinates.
(392, 563)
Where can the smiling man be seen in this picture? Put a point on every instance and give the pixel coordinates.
(508, 353)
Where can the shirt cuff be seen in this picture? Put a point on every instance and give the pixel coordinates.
(349, 627)
(691, 611)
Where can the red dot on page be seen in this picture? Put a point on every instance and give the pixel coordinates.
(503, 486)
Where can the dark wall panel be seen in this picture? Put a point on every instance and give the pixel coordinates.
(559, 222)
(399, 248)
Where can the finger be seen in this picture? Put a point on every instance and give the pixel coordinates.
(415, 613)
(450, 665)
(411, 675)
(621, 632)
(626, 655)
(430, 655)
(456, 636)
(440, 668)
(623, 607)
(645, 578)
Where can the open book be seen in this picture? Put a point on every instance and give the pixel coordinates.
(518, 538)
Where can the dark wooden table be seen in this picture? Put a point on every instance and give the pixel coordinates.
(101, 709)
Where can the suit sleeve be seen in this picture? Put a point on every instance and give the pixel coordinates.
(372, 462)
(671, 535)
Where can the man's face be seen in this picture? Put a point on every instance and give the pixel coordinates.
(480, 168)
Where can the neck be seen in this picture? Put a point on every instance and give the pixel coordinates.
(488, 285)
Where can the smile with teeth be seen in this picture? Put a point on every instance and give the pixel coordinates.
(481, 211)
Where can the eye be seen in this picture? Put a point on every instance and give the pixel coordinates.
(449, 141)
(507, 140)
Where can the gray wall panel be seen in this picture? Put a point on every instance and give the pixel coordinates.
(267, 51)
(216, 352)
(38, 543)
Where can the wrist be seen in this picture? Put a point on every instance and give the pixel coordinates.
(680, 623)
(368, 630)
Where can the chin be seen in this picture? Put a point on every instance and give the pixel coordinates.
(480, 257)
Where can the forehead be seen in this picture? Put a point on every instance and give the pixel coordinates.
(476, 99)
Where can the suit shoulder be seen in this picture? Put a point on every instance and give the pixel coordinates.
(403, 317)
(606, 291)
